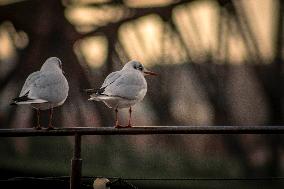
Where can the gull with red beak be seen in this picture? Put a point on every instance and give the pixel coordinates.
(123, 89)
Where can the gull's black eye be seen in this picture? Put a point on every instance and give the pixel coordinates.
(140, 67)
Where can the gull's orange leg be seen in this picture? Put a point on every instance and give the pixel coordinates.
(116, 119)
(50, 119)
(129, 120)
(38, 119)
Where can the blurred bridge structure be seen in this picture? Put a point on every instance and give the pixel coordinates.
(220, 63)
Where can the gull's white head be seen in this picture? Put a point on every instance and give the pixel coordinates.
(52, 64)
(136, 65)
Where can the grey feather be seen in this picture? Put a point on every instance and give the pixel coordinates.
(129, 85)
(50, 87)
(111, 78)
(29, 81)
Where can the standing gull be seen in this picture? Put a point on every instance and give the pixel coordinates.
(123, 89)
(45, 89)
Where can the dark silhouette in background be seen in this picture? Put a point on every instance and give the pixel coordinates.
(247, 94)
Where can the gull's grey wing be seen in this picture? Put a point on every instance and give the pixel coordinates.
(129, 85)
(111, 78)
(108, 81)
(29, 81)
(52, 87)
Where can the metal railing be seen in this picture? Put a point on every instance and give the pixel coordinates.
(78, 132)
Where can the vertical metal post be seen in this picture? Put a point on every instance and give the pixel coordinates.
(76, 164)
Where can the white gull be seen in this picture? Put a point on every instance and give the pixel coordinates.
(45, 89)
(123, 89)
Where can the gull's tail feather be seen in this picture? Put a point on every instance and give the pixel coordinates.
(96, 94)
(94, 91)
(100, 97)
(26, 100)
(20, 99)
(95, 97)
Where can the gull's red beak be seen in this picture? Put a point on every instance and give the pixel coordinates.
(150, 73)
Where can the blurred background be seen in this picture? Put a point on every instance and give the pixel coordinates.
(220, 62)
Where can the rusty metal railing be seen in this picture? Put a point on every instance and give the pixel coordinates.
(77, 132)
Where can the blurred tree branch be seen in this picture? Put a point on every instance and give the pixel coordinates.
(51, 34)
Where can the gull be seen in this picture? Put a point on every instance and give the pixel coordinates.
(123, 89)
(45, 89)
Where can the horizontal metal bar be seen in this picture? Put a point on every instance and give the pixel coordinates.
(142, 130)
(91, 178)
(209, 179)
